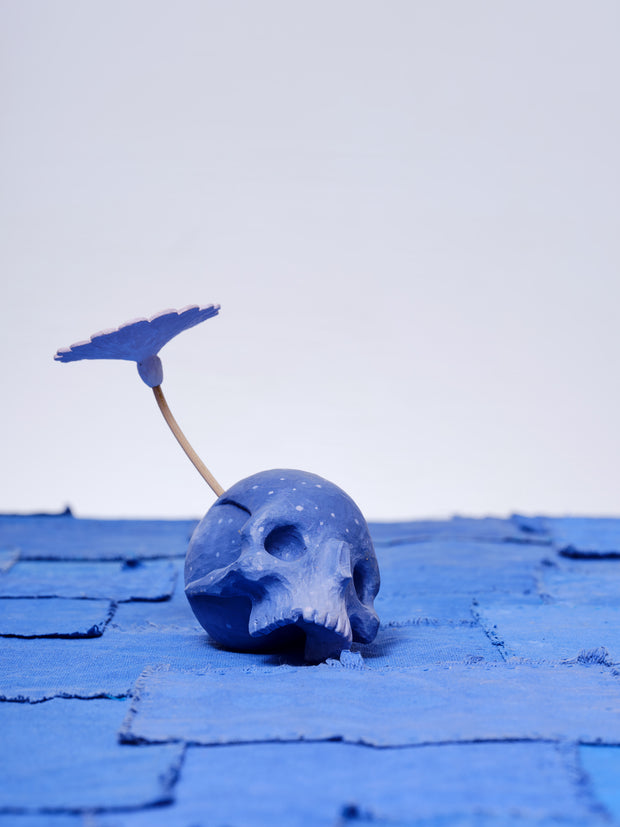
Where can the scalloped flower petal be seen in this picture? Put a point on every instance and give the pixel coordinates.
(139, 340)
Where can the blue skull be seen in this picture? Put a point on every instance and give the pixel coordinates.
(284, 558)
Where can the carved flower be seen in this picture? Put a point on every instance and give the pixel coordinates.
(139, 340)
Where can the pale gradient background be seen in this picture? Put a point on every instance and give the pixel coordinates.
(409, 212)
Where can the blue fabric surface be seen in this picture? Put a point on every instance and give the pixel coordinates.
(151, 580)
(63, 537)
(8, 557)
(43, 820)
(422, 645)
(587, 582)
(551, 631)
(107, 666)
(53, 617)
(602, 765)
(63, 755)
(35, 670)
(172, 614)
(585, 536)
(487, 529)
(317, 785)
(420, 608)
(459, 568)
(491, 694)
(368, 705)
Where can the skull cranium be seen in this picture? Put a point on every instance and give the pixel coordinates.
(282, 558)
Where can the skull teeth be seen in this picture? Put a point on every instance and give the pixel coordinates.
(263, 625)
(343, 627)
(312, 616)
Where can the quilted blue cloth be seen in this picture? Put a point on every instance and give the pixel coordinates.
(491, 694)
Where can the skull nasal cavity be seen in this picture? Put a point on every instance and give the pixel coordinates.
(285, 542)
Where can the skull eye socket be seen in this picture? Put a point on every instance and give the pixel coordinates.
(358, 582)
(365, 581)
(285, 542)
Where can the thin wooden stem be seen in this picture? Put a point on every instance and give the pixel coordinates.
(180, 437)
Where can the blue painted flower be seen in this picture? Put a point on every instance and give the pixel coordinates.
(139, 340)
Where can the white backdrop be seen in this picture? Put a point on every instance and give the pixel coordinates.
(409, 212)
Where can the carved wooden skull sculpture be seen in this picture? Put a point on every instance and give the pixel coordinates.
(284, 558)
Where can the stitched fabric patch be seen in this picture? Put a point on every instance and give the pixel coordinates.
(70, 748)
(54, 617)
(380, 708)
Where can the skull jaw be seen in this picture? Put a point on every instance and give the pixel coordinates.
(232, 622)
(325, 634)
(322, 643)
